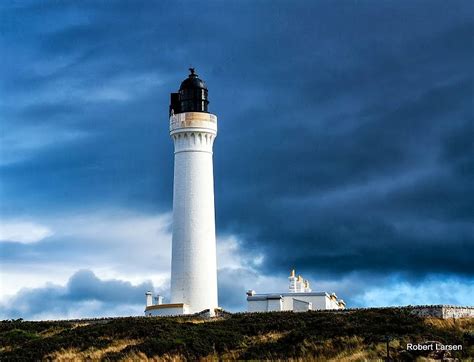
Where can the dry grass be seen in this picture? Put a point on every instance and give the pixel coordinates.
(465, 324)
(51, 332)
(352, 357)
(80, 324)
(197, 320)
(74, 354)
(354, 353)
(267, 338)
(6, 349)
(140, 356)
(249, 342)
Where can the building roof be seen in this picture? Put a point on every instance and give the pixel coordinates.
(281, 295)
(165, 306)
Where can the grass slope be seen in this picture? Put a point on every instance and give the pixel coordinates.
(350, 335)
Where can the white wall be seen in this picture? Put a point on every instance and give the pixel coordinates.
(287, 303)
(274, 305)
(318, 302)
(257, 306)
(163, 312)
(301, 306)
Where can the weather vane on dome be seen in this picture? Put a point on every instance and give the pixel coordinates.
(192, 70)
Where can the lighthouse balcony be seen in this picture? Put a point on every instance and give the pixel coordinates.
(193, 120)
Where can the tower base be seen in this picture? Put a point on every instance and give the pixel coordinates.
(177, 309)
(163, 310)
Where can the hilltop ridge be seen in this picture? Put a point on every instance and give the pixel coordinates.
(352, 334)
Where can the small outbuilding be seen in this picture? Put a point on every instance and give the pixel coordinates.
(299, 298)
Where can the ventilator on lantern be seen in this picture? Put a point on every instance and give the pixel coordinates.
(193, 262)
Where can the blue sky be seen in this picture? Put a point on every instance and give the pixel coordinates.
(345, 149)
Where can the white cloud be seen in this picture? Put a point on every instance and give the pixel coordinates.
(432, 290)
(136, 245)
(116, 225)
(23, 231)
(120, 245)
(115, 244)
(230, 255)
(238, 272)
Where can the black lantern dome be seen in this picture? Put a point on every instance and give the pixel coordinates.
(192, 95)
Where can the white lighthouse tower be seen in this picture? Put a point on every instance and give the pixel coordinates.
(193, 264)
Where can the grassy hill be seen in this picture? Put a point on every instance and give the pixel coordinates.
(351, 335)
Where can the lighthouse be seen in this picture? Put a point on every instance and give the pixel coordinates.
(193, 262)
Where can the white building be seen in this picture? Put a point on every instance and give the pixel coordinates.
(299, 298)
(193, 262)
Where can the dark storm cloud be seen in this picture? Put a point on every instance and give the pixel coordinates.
(84, 295)
(339, 195)
(345, 135)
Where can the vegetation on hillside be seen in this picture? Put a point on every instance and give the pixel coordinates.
(352, 335)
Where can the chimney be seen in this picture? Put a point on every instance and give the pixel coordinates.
(149, 300)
